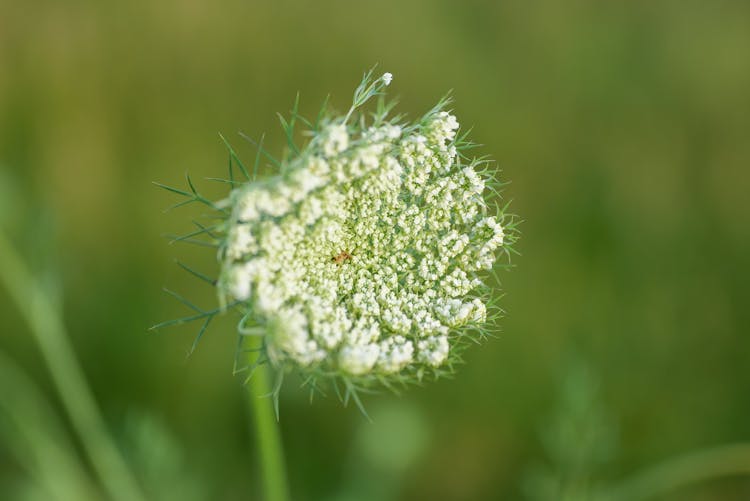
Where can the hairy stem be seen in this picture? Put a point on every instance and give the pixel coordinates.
(46, 325)
(266, 430)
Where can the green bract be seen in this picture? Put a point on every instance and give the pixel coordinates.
(363, 259)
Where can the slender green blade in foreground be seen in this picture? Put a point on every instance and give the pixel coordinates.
(45, 322)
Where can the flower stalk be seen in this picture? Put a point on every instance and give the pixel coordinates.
(266, 431)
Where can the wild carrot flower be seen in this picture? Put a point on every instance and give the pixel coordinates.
(364, 259)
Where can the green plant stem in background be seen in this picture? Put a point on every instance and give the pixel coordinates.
(46, 325)
(684, 470)
(266, 430)
(38, 439)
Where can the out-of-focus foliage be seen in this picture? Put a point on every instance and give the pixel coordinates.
(624, 127)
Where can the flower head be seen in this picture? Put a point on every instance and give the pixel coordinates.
(365, 257)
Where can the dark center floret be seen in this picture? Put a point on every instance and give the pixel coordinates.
(341, 257)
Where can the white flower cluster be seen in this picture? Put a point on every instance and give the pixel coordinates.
(363, 257)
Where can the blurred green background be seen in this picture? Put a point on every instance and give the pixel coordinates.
(623, 126)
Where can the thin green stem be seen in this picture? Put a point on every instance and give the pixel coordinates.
(38, 438)
(684, 470)
(266, 430)
(46, 325)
